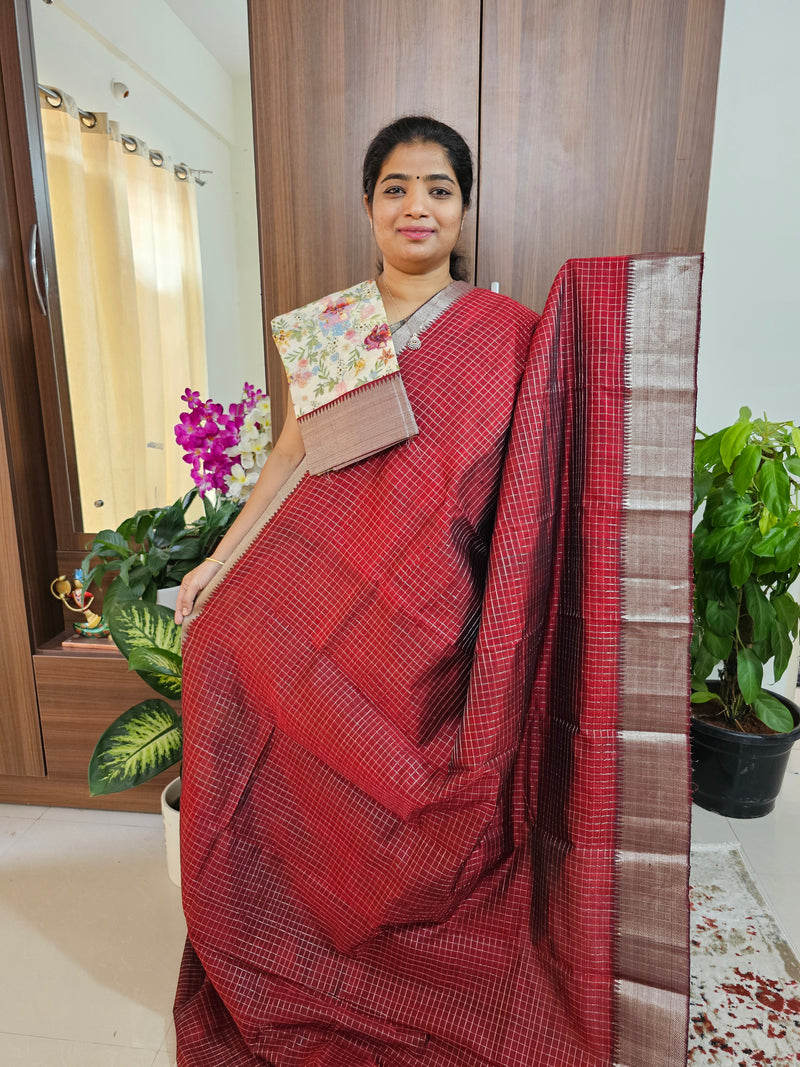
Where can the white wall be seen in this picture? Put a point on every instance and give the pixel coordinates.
(750, 322)
(183, 103)
(749, 348)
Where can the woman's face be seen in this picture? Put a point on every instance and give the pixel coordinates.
(416, 209)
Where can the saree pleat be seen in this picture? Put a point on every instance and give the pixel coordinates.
(436, 800)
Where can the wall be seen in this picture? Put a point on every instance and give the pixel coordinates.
(749, 333)
(749, 329)
(185, 104)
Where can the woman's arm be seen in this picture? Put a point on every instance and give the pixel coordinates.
(280, 465)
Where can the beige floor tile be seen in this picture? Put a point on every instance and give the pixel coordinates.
(11, 831)
(91, 933)
(708, 828)
(109, 818)
(772, 849)
(19, 1051)
(168, 1046)
(21, 811)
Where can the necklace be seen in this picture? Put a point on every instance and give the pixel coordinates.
(413, 341)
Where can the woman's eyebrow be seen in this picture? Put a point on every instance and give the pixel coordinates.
(426, 178)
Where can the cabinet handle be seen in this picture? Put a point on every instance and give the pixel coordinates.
(33, 264)
(495, 287)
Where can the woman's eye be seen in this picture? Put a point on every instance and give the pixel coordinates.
(442, 192)
(393, 190)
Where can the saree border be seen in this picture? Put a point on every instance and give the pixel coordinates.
(651, 952)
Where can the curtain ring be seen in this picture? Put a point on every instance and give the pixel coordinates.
(88, 118)
(52, 94)
(156, 159)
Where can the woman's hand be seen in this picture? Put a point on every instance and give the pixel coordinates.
(192, 584)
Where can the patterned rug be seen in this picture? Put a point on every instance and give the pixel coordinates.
(745, 1001)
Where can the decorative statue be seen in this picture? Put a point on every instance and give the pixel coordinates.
(71, 589)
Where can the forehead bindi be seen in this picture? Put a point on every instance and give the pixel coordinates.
(422, 162)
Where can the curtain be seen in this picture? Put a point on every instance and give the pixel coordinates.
(130, 288)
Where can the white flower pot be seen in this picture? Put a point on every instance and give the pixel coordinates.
(168, 597)
(172, 826)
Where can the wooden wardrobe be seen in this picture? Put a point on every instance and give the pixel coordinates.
(591, 125)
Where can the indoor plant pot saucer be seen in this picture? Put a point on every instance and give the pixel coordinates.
(736, 774)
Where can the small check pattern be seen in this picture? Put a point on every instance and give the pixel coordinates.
(401, 788)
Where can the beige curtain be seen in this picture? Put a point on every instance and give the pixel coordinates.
(130, 289)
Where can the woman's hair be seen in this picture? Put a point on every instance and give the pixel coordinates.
(421, 129)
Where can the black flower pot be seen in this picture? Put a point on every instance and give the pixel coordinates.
(740, 775)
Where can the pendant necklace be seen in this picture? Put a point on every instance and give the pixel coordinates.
(413, 341)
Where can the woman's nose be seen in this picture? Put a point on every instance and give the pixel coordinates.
(416, 204)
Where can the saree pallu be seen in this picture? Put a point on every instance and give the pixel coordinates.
(435, 807)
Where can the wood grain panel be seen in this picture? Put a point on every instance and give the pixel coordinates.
(20, 742)
(596, 132)
(29, 494)
(26, 154)
(325, 78)
(70, 793)
(79, 696)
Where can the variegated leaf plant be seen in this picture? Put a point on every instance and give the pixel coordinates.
(147, 738)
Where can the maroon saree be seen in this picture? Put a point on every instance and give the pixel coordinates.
(435, 803)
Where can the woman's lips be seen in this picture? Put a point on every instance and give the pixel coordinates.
(416, 233)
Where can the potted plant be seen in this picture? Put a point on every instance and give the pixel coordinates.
(153, 549)
(156, 547)
(746, 555)
(147, 738)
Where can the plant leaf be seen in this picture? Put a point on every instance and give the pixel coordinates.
(731, 512)
(767, 546)
(761, 611)
(781, 645)
(733, 441)
(706, 450)
(745, 467)
(788, 555)
(117, 593)
(703, 480)
(749, 672)
(774, 485)
(144, 741)
(722, 616)
(792, 464)
(718, 646)
(772, 713)
(161, 669)
(137, 624)
(787, 609)
(741, 568)
(702, 696)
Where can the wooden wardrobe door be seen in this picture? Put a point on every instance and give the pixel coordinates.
(596, 129)
(325, 78)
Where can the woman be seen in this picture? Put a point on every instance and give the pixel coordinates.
(385, 859)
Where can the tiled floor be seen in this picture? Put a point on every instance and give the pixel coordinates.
(91, 930)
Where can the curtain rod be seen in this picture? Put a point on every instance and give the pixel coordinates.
(89, 119)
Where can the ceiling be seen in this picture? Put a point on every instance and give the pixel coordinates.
(220, 25)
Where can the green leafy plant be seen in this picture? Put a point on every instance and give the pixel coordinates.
(147, 738)
(746, 553)
(155, 548)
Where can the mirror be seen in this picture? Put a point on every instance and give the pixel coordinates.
(173, 75)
